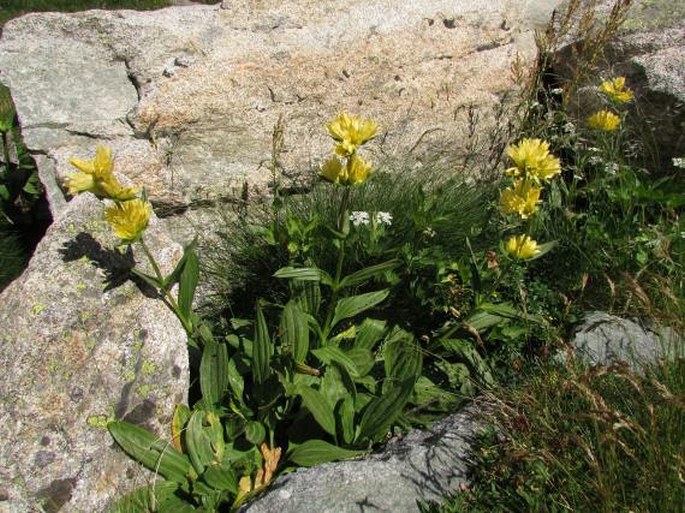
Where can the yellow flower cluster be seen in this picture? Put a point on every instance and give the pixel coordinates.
(128, 215)
(533, 164)
(616, 91)
(604, 121)
(350, 133)
(533, 161)
(96, 176)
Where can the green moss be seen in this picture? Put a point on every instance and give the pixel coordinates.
(37, 308)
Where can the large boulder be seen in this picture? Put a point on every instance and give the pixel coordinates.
(82, 344)
(188, 96)
(422, 466)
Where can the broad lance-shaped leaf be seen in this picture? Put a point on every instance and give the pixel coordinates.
(335, 354)
(317, 404)
(176, 273)
(295, 331)
(188, 282)
(382, 411)
(369, 333)
(262, 349)
(150, 451)
(367, 273)
(304, 274)
(402, 356)
(214, 372)
(314, 452)
(350, 306)
(204, 439)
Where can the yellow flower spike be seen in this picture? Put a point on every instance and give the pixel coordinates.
(351, 132)
(521, 247)
(522, 199)
(334, 171)
(359, 170)
(129, 219)
(615, 89)
(604, 121)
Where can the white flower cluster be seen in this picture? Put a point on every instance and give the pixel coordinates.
(359, 217)
(679, 162)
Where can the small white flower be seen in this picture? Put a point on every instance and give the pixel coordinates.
(557, 90)
(569, 128)
(595, 159)
(359, 217)
(384, 218)
(611, 168)
(429, 232)
(679, 162)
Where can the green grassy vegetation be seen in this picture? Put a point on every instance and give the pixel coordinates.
(574, 438)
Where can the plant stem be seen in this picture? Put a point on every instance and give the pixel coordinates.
(6, 151)
(187, 325)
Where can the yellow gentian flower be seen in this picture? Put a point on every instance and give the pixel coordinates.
(532, 159)
(522, 247)
(96, 176)
(604, 120)
(521, 199)
(359, 170)
(350, 132)
(334, 171)
(129, 219)
(616, 90)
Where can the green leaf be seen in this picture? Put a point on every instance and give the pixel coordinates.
(319, 407)
(176, 273)
(314, 452)
(214, 375)
(350, 306)
(382, 411)
(345, 413)
(262, 349)
(331, 354)
(295, 331)
(221, 477)
(178, 425)
(465, 349)
(255, 432)
(363, 359)
(304, 274)
(159, 497)
(188, 282)
(307, 295)
(236, 380)
(150, 451)
(369, 333)
(363, 275)
(150, 280)
(402, 357)
(204, 439)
